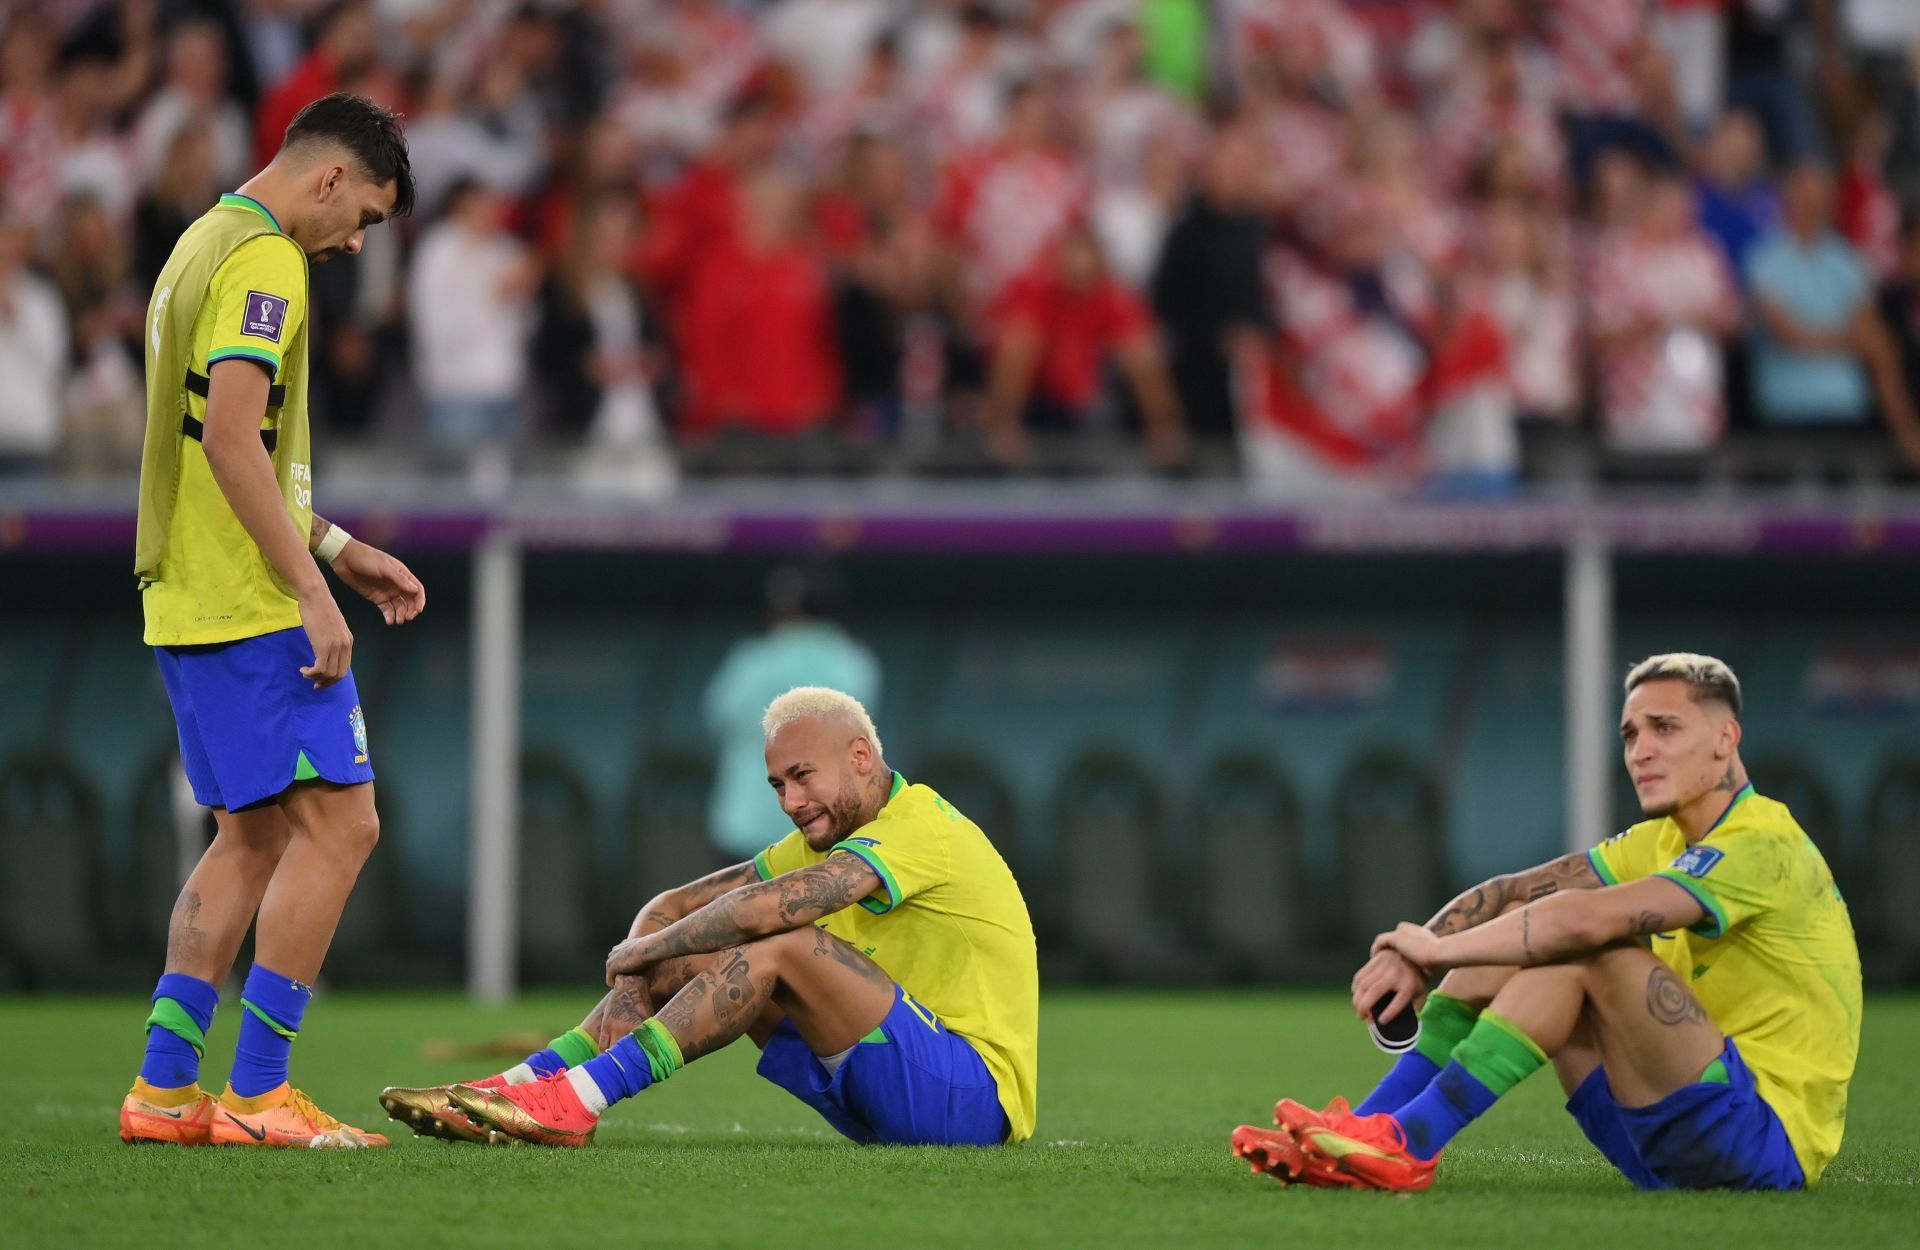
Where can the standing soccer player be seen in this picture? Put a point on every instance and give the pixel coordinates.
(880, 955)
(252, 648)
(1693, 981)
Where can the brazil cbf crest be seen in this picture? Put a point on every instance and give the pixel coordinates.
(359, 724)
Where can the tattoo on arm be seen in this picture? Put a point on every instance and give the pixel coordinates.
(1648, 923)
(318, 531)
(1489, 899)
(810, 893)
(1526, 938)
(1669, 1002)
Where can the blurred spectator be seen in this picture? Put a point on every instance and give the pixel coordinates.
(826, 40)
(1866, 211)
(469, 296)
(756, 342)
(1819, 345)
(482, 131)
(1735, 198)
(1661, 298)
(105, 397)
(93, 160)
(1207, 287)
(595, 363)
(1900, 310)
(29, 118)
(1693, 34)
(1002, 207)
(1493, 106)
(186, 183)
(803, 646)
(1054, 331)
(964, 70)
(1760, 75)
(1522, 281)
(1610, 74)
(344, 46)
(33, 354)
(194, 95)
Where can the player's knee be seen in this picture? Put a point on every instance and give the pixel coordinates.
(1476, 987)
(359, 834)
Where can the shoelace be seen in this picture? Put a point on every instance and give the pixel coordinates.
(305, 1106)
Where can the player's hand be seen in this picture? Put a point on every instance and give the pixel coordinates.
(1413, 942)
(1389, 980)
(329, 636)
(627, 959)
(383, 581)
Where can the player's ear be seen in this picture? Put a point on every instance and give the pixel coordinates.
(332, 179)
(1729, 737)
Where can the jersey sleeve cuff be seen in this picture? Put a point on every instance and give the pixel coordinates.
(879, 866)
(761, 866)
(1599, 862)
(258, 355)
(1715, 925)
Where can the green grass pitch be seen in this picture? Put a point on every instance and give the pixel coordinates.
(1138, 1093)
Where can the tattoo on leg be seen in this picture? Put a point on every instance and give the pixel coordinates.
(1669, 1002)
(734, 992)
(186, 942)
(678, 1015)
(626, 1010)
(846, 956)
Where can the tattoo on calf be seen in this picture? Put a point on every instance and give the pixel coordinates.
(186, 941)
(1669, 1002)
(734, 992)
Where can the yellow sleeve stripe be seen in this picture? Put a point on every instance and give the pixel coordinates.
(873, 861)
(761, 866)
(259, 356)
(1715, 925)
(1597, 857)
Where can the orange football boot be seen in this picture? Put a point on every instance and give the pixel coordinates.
(1278, 1154)
(284, 1117)
(1297, 1116)
(546, 1112)
(1373, 1151)
(150, 1115)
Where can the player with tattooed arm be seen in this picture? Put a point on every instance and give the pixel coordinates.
(880, 956)
(1693, 981)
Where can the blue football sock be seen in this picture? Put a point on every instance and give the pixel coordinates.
(622, 1071)
(1496, 1056)
(177, 1030)
(1410, 1074)
(1445, 1022)
(275, 1007)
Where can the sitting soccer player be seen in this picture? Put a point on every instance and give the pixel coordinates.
(1693, 980)
(880, 956)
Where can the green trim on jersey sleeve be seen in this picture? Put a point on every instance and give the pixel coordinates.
(1715, 925)
(873, 861)
(258, 355)
(761, 866)
(1597, 857)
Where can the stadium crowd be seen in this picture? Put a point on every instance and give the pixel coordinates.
(1329, 244)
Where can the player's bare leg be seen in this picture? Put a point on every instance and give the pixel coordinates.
(833, 994)
(1627, 1006)
(218, 902)
(333, 830)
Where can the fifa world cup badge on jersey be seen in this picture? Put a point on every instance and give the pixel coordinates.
(359, 724)
(266, 316)
(1698, 861)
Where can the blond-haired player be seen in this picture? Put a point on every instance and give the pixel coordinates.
(1692, 980)
(880, 955)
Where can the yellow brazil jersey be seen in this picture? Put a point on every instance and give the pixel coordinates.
(213, 583)
(949, 925)
(1774, 963)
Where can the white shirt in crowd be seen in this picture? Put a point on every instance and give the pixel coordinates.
(470, 335)
(33, 360)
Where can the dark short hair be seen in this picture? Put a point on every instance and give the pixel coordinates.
(365, 129)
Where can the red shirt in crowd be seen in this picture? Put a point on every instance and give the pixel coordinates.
(1078, 327)
(756, 340)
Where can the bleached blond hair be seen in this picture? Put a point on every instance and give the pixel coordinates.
(1706, 677)
(803, 701)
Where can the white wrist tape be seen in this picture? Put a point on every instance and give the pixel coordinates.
(333, 544)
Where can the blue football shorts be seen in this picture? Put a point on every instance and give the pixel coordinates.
(250, 725)
(1707, 1135)
(909, 1083)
